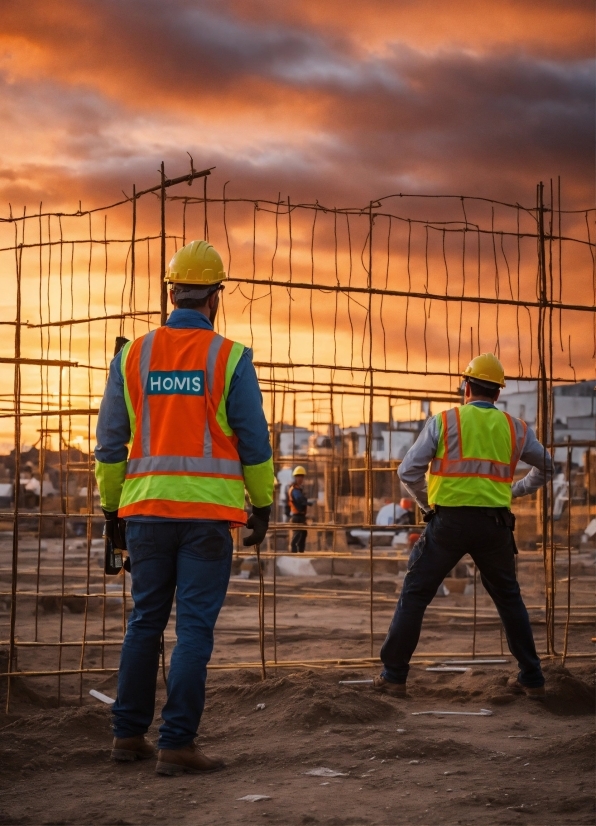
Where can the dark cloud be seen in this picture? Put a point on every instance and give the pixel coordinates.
(290, 97)
(564, 28)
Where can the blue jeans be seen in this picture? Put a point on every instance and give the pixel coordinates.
(192, 560)
(451, 533)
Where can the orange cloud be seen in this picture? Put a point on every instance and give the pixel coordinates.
(340, 102)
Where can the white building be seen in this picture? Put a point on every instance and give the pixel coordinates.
(293, 441)
(574, 411)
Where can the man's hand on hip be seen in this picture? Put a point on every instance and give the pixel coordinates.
(259, 522)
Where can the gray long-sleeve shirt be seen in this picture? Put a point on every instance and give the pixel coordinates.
(412, 471)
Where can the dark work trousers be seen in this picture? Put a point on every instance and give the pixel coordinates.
(191, 560)
(299, 537)
(451, 533)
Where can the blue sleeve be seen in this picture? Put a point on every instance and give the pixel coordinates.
(244, 409)
(113, 424)
(299, 499)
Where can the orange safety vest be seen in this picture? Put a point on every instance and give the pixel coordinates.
(183, 461)
(293, 509)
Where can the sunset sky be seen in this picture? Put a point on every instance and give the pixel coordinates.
(328, 99)
(339, 102)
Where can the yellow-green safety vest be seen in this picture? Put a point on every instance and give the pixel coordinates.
(477, 453)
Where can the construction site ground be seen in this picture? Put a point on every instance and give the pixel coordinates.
(527, 762)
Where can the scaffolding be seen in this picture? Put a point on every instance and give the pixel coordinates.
(360, 319)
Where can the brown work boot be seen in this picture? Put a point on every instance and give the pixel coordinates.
(127, 749)
(187, 759)
(535, 693)
(393, 689)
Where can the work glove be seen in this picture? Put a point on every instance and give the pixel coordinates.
(259, 522)
(115, 529)
(428, 515)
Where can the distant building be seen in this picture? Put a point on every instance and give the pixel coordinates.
(359, 436)
(574, 411)
(290, 440)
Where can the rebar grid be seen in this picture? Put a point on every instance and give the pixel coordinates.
(359, 319)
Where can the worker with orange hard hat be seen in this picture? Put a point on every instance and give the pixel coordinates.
(187, 400)
(472, 452)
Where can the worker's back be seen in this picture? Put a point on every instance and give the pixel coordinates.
(478, 450)
(183, 461)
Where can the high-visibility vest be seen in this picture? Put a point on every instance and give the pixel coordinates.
(291, 504)
(183, 461)
(476, 457)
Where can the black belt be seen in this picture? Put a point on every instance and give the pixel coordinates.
(502, 516)
(472, 509)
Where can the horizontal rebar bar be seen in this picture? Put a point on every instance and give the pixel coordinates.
(71, 321)
(80, 212)
(384, 370)
(68, 411)
(338, 288)
(355, 662)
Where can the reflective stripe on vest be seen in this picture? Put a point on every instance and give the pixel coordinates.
(183, 463)
(454, 464)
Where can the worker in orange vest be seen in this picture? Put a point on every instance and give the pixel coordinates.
(188, 403)
(296, 509)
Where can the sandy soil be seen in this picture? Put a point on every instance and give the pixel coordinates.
(527, 762)
(527, 759)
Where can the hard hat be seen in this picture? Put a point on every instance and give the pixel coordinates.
(299, 471)
(486, 370)
(196, 263)
(406, 504)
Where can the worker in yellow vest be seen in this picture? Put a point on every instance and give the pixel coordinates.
(181, 434)
(472, 452)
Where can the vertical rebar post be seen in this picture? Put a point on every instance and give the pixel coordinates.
(543, 417)
(162, 268)
(17, 471)
(206, 223)
(569, 500)
(133, 259)
(369, 472)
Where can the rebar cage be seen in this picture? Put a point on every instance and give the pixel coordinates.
(360, 319)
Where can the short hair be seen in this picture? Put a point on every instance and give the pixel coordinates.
(188, 303)
(490, 391)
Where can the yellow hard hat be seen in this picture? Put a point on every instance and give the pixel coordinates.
(299, 471)
(485, 368)
(196, 263)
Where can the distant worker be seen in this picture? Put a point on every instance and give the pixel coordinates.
(188, 402)
(394, 514)
(472, 452)
(296, 509)
(408, 506)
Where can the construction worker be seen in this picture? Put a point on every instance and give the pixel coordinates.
(408, 506)
(472, 452)
(297, 504)
(188, 402)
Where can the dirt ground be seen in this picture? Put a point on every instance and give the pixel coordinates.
(527, 762)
